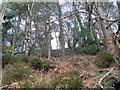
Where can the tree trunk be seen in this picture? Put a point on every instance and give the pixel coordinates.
(75, 10)
(28, 29)
(14, 36)
(61, 36)
(49, 38)
(107, 32)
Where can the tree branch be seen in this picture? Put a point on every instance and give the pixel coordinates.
(108, 73)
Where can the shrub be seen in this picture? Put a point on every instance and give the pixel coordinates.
(92, 49)
(78, 50)
(14, 72)
(46, 65)
(27, 84)
(21, 57)
(7, 59)
(55, 53)
(36, 63)
(67, 80)
(44, 53)
(41, 85)
(104, 59)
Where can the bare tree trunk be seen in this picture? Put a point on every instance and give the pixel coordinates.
(62, 41)
(75, 10)
(28, 27)
(46, 34)
(107, 32)
(57, 41)
(2, 12)
(14, 36)
(89, 9)
(49, 39)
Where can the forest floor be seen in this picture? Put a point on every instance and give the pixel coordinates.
(84, 64)
(91, 75)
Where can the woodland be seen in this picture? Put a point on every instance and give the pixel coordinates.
(60, 45)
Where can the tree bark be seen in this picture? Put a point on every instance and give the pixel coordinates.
(61, 36)
(49, 37)
(28, 29)
(14, 36)
(107, 32)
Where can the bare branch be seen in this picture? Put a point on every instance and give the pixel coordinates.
(108, 73)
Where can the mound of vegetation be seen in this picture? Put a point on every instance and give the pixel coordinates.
(91, 49)
(39, 64)
(104, 59)
(67, 80)
(22, 58)
(15, 72)
(8, 59)
(35, 62)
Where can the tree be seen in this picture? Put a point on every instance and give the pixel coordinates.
(61, 36)
(106, 31)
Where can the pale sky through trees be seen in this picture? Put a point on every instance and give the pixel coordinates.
(53, 41)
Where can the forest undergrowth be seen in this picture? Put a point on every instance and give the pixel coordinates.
(51, 74)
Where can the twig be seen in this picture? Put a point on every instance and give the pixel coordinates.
(83, 74)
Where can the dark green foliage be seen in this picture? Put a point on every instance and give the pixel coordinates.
(35, 62)
(44, 53)
(14, 72)
(38, 63)
(78, 50)
(104, 59)
(7, 25)
(22, 58)
(46, 65)
(88, 48)
(7, 59)
(55, 53)
(26, 84)
(67, 80)
(101, 72)
(91, 49)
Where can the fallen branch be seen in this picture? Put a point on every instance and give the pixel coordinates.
(2, 87)
(108, 73)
